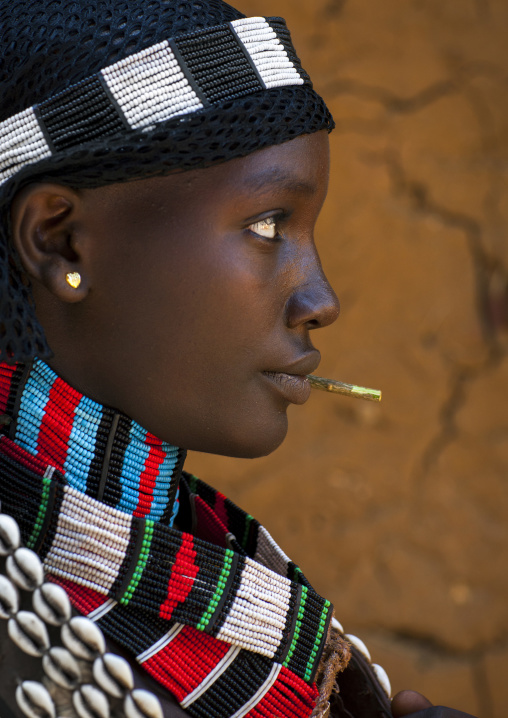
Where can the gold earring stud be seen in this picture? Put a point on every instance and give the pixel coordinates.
(73, 279)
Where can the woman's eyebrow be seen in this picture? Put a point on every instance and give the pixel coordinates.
(276, 178)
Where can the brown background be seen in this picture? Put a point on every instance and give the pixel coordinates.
(398, 512)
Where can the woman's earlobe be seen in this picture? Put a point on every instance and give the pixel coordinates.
(44, 227)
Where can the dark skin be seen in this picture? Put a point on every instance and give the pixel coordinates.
(183, 304)
(195, 288)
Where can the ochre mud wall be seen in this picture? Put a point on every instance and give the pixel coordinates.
(399, 512)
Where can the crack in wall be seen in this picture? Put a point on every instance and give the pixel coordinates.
(464, 73)
(482, 8)
(488, 269)
(484, 267)
(423, 204)
(334, 8)
(390, 100)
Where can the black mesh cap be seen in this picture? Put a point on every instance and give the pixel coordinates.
(114, 90)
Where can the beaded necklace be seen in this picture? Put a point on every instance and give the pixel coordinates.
(215, 612)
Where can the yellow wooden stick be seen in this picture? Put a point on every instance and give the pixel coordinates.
(339, 387)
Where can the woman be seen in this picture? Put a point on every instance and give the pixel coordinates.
(163, 165)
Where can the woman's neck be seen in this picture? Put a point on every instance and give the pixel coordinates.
(100, 451)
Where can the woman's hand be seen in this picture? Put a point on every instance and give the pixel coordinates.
(411, 703)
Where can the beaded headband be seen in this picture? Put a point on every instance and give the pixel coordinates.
(169, 79)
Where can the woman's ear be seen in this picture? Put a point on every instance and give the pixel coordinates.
(45, 233)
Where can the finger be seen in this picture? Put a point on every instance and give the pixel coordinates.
(407, 702)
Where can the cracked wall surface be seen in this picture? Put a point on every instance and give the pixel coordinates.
(398, 512)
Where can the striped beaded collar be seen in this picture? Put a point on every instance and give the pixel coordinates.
(101, 453)
(215, 612)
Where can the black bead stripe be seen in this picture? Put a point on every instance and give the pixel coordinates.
(113, 488)
(132, 628)
(101, 441)
(20, 494)
(130, 559)
(53, 512)
(233, 587)
(218, 64)
(82, 113)
(289, 628)
(18, 380)
(234, 688)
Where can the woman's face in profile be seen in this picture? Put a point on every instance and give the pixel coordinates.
(202, 289)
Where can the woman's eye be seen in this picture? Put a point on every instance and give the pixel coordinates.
(265, 227)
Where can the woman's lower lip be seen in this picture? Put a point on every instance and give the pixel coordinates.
(293, 387)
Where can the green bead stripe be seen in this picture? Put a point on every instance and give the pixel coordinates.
(43, 506)
(221, 585)
(317, 642)
(298, 625)
(141, 564)
(248, 519)
(193, 484)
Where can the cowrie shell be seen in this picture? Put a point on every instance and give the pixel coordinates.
(83, 638)
(9, 598)
(359, 645)
(113, 674)
(337, 624)
(62, 668)
(382, 677)
(24, 567)
(29, 633)
(10, 537)
(90, 702)
(52, 604)
(142, 704)
(34, 700)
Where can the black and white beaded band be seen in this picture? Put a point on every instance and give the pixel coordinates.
(172, 78)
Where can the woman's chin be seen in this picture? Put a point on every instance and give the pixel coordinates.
(251, 443)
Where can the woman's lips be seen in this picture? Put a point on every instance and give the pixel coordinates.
(295, 388)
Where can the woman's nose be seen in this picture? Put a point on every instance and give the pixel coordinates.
(313, 303)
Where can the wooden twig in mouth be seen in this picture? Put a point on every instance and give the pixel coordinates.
(339, 387)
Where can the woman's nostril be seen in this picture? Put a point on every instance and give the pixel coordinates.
(317, 307)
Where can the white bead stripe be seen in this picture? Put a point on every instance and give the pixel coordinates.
(261, 693)
(90, 545)
(150, 86)
(217, 672)
(263, 598)
(100, 612)
(22, 142)
(267, 52)
(160, 644)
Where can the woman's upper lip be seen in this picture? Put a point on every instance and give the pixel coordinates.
(301, 367)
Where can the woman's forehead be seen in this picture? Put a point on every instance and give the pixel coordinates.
(298, 166)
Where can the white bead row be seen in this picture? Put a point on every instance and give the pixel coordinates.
(150, 86)
(21, 142)
(264, 599)
(88, 547)
(267, 52)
